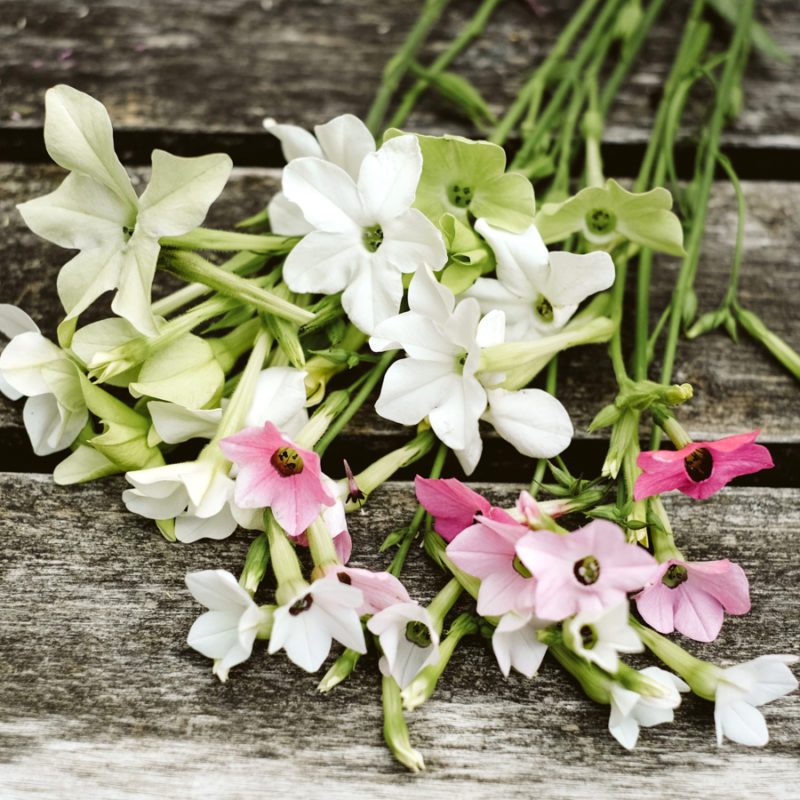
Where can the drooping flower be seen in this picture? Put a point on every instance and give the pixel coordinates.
(227, 631)
(690, 596)
(516, 644)
(366, 235)
(380, 589)
(606, 213)
(589, 569)
(454, 506)
(487, 550)
(307, 624)
(408, 639)
(32, 366)
(701, 468)
(97, 211)
(744, 687)
(599, 637)
(630, 710)
(537, 291)
(276, 473)
(439, 378)
(344, 141)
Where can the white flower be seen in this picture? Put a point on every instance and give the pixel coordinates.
(306, 625)
(601, 637)
(365, 232)
(516, 644)
(344, 141)
(741, 689)
(629, 710)
(96, 210)
(538, 291)
(439, 378)
(32, 366)
(408, 639)
(226, 632)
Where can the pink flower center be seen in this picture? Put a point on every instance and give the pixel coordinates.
(699, 464)
(587, 570)
(287, 461)
(303, 604)
(674, 576)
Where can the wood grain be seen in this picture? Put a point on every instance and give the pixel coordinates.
(186, 66)
(101, 698)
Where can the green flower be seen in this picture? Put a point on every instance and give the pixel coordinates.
(604, 214)
(468, 256)
(460, 176)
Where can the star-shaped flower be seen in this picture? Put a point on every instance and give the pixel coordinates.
(97, 211)
(600, 636)
(516, 644)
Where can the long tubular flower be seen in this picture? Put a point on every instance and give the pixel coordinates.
(97, 211)
(366, 235)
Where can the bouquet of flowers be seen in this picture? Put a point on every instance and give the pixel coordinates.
(419, 268)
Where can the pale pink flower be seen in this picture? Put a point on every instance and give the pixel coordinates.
(701, 468)
(691, 596)
(589, 569)
(335, 520)
(487, 550)
(275, 473)
(454, 506)
(380, 589)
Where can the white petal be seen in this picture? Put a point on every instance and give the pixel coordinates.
(532, 420)
(455, 418)
(218, 590)
(740, 722)
(78, 136)
(14, 321)
(302, 636)
(280, 394)
(174, 423)
(286, 217)
(767, 678)
(373, 295)
(411, 241)
(23, 360)
(572, 278)
(621, 723)
(429, 298)
(50, 426)
(515, 644)
(491, 329)
(412, 389)
(419, 336)
(180, 192)
(518, 312)
(215, 633)
(190, 528)
(88, 275)
(346, 141)
(132, 300)
(296, 142)
(323, 263)
(81, 214)
(387, 181)
(101, 337)
(469, 455)
(325, 193)
(149, 506)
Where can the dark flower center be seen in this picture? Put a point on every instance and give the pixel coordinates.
(587, 570)
(418, 633)
(303, 604)
(699, 464)
(521, 568)
(674, 576)
(287, 461)
(543, 308)
(344, 578)
(588, 637)
(373, 238)
(600, 221)
(459, 196)
(461, 361)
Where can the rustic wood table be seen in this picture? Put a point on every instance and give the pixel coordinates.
(100, 696)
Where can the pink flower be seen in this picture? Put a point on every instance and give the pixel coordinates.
(275, 473)
(589, 569)
(453, 505)
(701, 468)
(487, 550)
(691, 596)
(380, 589)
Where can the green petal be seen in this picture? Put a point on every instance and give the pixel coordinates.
(126, 447)
(85, 464)
(506, 202)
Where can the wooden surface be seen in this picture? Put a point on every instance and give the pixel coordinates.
(100, 697)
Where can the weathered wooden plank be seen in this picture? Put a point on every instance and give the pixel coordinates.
(737, 387)
(101, 698)
(188, 66)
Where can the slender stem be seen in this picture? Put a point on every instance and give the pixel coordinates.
(207, 239)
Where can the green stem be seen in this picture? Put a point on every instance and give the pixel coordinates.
(207, 239)
(440, 606)
(395, 730)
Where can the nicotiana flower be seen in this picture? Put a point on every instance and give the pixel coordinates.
(366, 235)
(97, 211)
(344, 141)
(690, 596)
(487, 550)
(438, 379)
(227, 631)
(631, 710)
(605, 213)
(590, 569)
(380, 589)
(276, 473)
(408, 639)
(516, 644)
(32, 366)
(701, 468)
(537, 291)
(454, 506)
(306, 626)
(744, 687)
(461, 176)
(600, 636)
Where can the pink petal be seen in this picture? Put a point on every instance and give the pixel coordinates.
(344, 546)
(452, 505)
(697, 614)
(380, 589)
(661, 473)
(480, 552)
(724, 581)
(500, 592)
(656, 604)
(555, 599)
